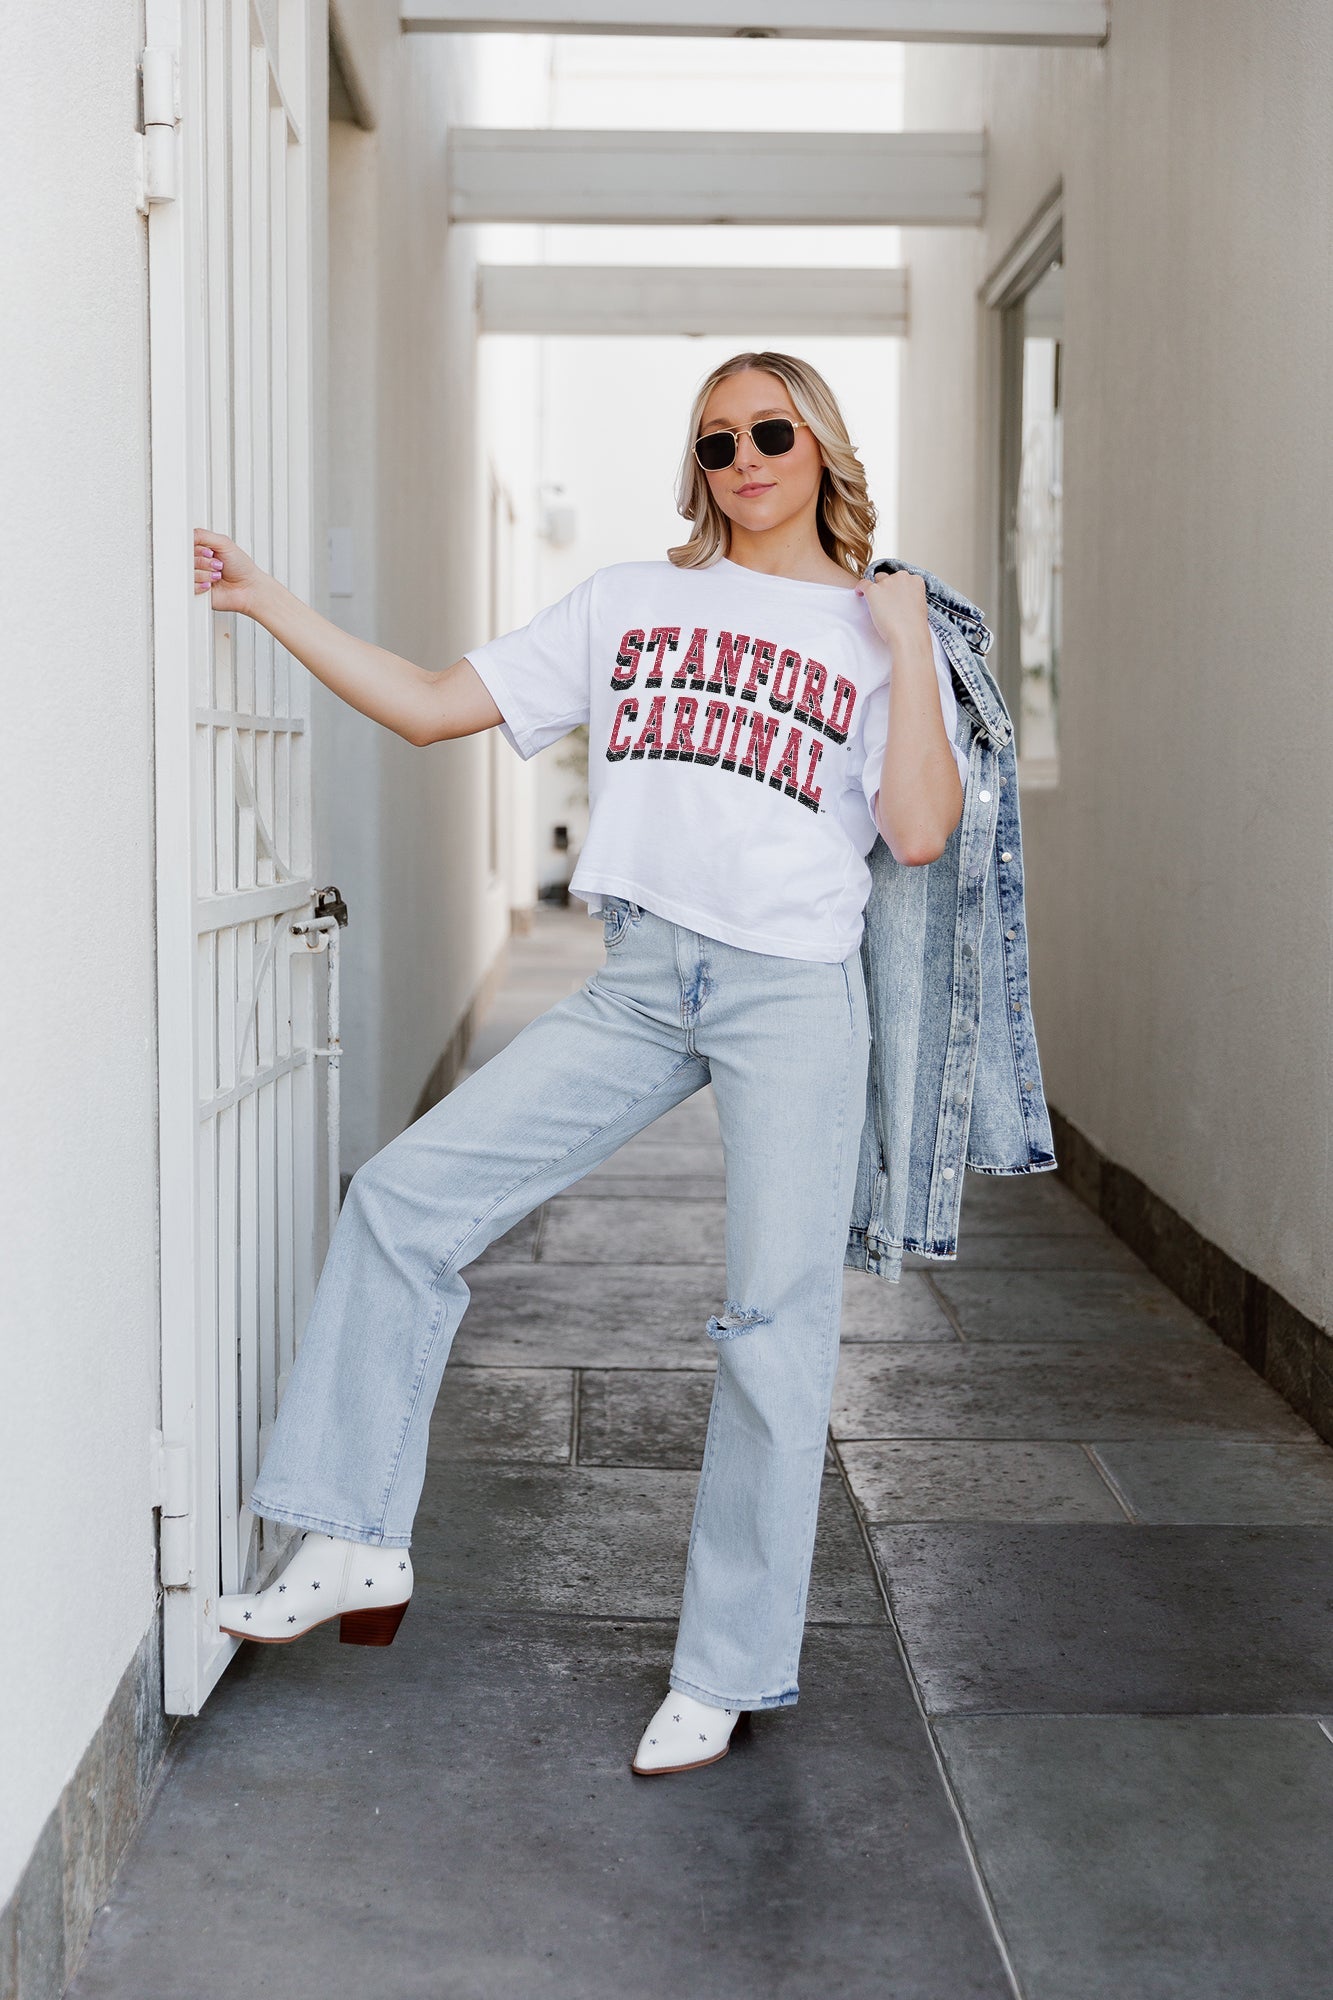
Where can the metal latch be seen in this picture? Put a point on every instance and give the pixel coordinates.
(329, 914)
(329, 903)
(156, 144)
(321, 934)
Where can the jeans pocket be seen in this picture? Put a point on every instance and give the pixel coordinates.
(615, 919)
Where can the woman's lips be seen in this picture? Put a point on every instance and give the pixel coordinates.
(755, 486)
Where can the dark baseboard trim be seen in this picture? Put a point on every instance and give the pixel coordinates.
(452, 1057)
(1290, 1351)
(454, 1054)
(45, 1924)
(445, 1073)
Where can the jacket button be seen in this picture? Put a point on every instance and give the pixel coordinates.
(1006, 856)
(948, 1173)
(984, 797)
(1010, 934)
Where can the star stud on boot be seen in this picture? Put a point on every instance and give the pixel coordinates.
(684, 1735)
(366, 1588)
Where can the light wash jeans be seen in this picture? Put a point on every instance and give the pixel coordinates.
(785, 1043)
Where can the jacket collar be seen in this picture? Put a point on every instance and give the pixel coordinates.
(965, 618)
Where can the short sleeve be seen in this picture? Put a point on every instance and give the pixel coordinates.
(877, 725)
(539, 675)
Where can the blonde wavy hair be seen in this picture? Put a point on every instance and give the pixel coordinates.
(846, 515)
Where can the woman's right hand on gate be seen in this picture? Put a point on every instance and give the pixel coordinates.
(226, 570)
(420, 706)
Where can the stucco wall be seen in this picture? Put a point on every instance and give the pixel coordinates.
(1180, 873)
(403, 830)
(77, 1055)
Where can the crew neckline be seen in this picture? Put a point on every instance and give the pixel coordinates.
(796, 582)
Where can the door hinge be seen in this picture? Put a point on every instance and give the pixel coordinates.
(155, 146)
(169, 1486)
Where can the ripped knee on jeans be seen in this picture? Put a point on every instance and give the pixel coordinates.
(734, 1319)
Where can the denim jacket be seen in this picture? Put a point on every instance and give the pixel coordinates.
(954, 1078)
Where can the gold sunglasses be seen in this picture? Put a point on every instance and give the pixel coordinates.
(771, 437)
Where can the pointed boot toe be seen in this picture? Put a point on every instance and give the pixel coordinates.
(684, 1735)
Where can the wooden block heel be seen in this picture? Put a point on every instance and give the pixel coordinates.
(371, 1628)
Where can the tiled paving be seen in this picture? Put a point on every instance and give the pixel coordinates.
(1070, 1647)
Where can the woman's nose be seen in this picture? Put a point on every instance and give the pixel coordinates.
(746, 455)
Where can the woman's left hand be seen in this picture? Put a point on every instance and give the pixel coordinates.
(897, 601)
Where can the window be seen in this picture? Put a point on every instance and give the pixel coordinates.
(1029, 296)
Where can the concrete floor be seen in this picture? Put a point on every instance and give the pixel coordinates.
(1069, 1650)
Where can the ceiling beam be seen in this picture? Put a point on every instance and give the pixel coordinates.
(1036, 23)
(693, 299)
(543, 175)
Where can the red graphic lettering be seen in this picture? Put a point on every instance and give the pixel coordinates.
(760, 681)
(739, 718)
(783, 691)
(627, 659)
(754, 764)
(840, 714)
(787, 775)
(665, 638)
(649, 742)
(628, 711)
(761, 661)
(726, 668)
(693, 663)
(809, 708)
(682, 743)
(715, 728)
(811, 793)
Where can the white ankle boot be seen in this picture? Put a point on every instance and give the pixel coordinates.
(683, 1735)
(367, 1588)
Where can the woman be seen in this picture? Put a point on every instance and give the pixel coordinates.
(757, 715)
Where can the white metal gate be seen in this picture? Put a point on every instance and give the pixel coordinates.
(226, 100)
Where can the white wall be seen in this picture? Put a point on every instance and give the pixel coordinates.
(77, 1054)
(403, 830)
(1181, 875)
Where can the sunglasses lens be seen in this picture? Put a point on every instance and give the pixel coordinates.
(774, 436)
(715, 450)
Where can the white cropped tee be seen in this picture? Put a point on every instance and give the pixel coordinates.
(737, 725)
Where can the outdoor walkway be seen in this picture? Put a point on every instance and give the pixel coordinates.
(1082, 1759)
